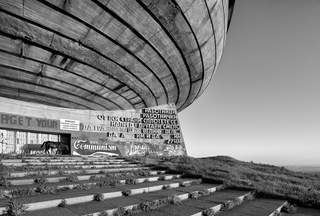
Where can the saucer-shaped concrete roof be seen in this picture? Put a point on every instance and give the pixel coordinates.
(110, 54)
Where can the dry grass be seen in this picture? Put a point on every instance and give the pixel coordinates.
(266, 180)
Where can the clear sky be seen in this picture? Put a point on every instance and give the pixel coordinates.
(263, 103)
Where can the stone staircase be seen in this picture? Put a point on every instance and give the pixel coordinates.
(112, 186)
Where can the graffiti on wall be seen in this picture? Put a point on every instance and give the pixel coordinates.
(141, 149)
(122, 132)
(3, 141)
(145, 131)
(85, 147)
(27, 121)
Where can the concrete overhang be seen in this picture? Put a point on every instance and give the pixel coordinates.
(110, 54)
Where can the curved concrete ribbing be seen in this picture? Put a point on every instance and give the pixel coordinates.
(31, 96)
(114, 54)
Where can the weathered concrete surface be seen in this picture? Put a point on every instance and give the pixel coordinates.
(256, 207)
(196, 206)
(80, 201)
(110, 55)
(52, 212)
(222, 196)
(155, 213)
(304, 212)
(82, 196)
(120, 132)
(180, 210)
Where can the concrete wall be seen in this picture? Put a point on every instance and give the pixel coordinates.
(153, 130)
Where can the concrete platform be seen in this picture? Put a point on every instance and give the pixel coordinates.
(66, 163)
(96, 207)
(42, 201)
(71, 171)
(223, 196)
(56, 178)
(256, 207)
(155, 213)
(181, 210)
(109, 205)
(52, 212)
(73, 185)
(187, 207)
(304, 212)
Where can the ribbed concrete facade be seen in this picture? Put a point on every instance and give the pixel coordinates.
(110, 54)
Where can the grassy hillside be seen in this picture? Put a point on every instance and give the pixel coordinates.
(266, 180)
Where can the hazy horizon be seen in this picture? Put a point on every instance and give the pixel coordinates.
(262, 104)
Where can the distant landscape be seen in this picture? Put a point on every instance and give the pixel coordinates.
(306, 169)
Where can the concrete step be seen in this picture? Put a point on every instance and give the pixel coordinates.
(37, 202)
(27, 159)
(16, 174)
(195, 207)
(54, 157)
(111, 205)
(39, 163)
(56, 176)
(24, 190)
(27, 180)
(77, 159)
(22, 162)
(256, 207)
(68, 166)
(303, 212)
(75, 166)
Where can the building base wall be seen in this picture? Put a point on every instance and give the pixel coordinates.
(25, 126)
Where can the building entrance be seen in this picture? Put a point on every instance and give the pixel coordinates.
(27, 142)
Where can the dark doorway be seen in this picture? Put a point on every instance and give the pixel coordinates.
(66, 139)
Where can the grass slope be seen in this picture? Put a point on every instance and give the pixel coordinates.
(266, 180)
